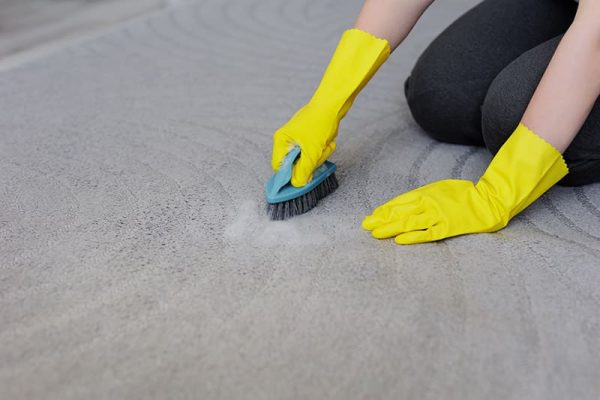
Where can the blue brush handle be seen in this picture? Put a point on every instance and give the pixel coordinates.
(278, 187)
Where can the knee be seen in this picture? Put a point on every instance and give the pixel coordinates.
(502, 110)
(440, 106)
(423, 101)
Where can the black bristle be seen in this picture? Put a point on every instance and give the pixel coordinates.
(304, 203)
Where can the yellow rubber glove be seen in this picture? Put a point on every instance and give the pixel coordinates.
(314, 126)
(523, 169)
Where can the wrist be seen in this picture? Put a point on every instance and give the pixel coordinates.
(357, 57)
(524, 168)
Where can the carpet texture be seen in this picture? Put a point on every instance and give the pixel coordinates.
(136, 261)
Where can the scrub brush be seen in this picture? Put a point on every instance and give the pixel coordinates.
(285, 201)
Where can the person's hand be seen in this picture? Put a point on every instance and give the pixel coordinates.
(523, 169)
(314, 129)
(437, 211)
(314, 126)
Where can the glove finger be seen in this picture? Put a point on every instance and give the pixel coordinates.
(414, 237)
(304, 167)
(303, 170)
(281, 146)
(389, 213)
(432, 234)
(326, 153)
(407, 199)
(408, 224)
(371, 222)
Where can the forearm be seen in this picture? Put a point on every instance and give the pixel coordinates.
(571, 84)
(391, 19)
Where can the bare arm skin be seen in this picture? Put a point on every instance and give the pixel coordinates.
(391, 19)
(569, 87)
(571, 83)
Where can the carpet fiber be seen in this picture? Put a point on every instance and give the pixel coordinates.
(136, 260)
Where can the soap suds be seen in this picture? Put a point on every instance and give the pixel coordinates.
(253, 225)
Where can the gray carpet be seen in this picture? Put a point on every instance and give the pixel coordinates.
(136, 262)
(27, 25)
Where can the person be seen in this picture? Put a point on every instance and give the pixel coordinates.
(521, 77)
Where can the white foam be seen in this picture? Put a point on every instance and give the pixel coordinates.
(253, 225)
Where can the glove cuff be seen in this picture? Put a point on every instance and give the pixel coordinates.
(357, 57)
(524, 168)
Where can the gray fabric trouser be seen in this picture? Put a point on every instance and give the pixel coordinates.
(474, 81)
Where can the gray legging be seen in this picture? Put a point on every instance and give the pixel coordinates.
(474, 81)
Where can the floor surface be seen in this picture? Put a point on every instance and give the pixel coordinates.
(136, 261)
(31, 27)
